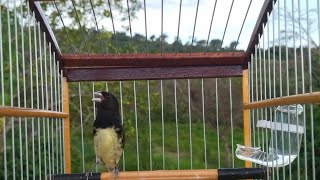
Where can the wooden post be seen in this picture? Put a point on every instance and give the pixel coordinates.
(66, 127)
(245, 100)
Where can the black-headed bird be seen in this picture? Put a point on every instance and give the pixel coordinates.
(108, 133)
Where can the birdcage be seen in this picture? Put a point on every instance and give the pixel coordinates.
(242, 103)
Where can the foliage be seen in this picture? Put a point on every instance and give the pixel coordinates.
(87, 12)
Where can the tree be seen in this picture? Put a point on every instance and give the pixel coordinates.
(215, 45)
(233, 45)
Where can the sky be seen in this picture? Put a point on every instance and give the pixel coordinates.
(187, 21)
(205, 9)
(200, 26)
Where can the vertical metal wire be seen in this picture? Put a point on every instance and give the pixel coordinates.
(266, 33)
(24, 89)
(11, 92)
(38, 93)
(61, 122)
(264, 110)
(178, 33)
(287, 58)
(113, 27)
(281, 85)
(58, 120)
(4, 138)
(55, 108)
(255, 118)
(279, 41)
(130, 29)
(18, 86)
(270, 91)
(36, 26)
(259, 97)
(80, 27)
(81, 127)
(295, 50)
(62, 127)
(161, 37)
(145, 26)
(249, 95)
(204, 125)
(64, 27)
(107, 87)
(31, 90)
(274, 80)
(295, 75)
(47, 98)
(310, 90)
(303, 91)
(252, 113)
(94, 117)
(96, 23)
(121, 109)
(190, 125)
(217, 118)
(177, 124)
(226, 26)
(162, 126)
(257, 92)
(231, 118)
(264, 86)
(136, 121)
(52, 146)
(55, 140)
(42, 58)
(213, 12)
(244, 20)
(194, 26)
(318, 15)
(54, 125)
(287, 73)
(51, 66)
(149, 118)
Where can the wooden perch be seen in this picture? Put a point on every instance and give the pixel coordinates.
(306, 98)
(212, 174)
(28, 112)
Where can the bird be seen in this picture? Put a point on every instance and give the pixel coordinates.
(108, 132)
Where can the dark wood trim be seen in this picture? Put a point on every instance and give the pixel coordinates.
(152, 73)
(262, 19)
(153, 60)
(45, 27)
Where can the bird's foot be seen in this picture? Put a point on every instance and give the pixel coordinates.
(116, 171)
(88, 174)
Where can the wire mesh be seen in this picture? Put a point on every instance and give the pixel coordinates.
(24, 67)
(169, 124)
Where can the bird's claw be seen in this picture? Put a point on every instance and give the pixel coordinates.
(89, 173)
(116, 171)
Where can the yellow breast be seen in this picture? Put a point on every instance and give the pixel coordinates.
(107, 147)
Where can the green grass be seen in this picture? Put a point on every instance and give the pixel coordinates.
(171, 158)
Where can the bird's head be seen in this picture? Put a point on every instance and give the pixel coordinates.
(106, 101)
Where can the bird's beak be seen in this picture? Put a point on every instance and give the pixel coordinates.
(98, 97)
